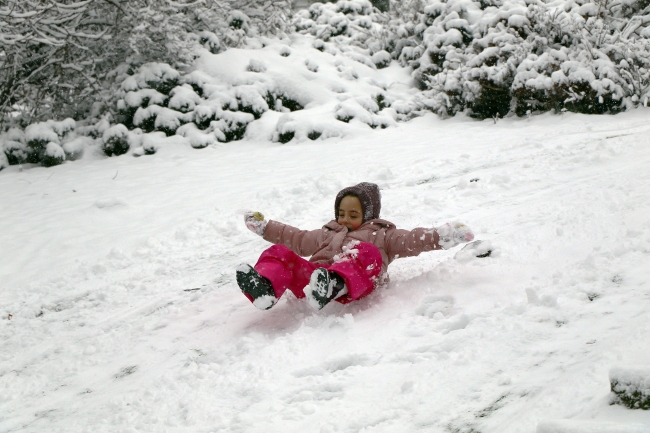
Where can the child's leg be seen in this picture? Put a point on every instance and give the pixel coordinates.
(285, 269)
(359, 270)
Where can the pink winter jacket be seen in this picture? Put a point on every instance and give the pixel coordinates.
(324, 243)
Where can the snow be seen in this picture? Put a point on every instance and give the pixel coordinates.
(518, 21)
(116, 131)
(118, 274)
(150, 73)
(136, 98)
(637, 374)
(4, 162)
(198, 139)
(42, 132)
(631, 384)
(564, 426)
(74, 149)
(54, 150)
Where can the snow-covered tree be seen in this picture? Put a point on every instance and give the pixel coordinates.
(60, 58)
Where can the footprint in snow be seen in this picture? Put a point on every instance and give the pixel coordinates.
(435, 306)
(337, 364)
(321, 392)
(108, 203)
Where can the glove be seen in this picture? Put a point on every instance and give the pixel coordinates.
(255, 222)
(452, 234)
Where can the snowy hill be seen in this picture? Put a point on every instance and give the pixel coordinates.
(120, 311)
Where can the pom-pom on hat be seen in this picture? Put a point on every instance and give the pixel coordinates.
(369, 196)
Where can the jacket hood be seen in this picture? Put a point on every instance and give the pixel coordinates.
(369, 196)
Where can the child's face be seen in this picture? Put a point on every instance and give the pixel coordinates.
(350, 212)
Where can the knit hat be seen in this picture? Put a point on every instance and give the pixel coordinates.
(369, 196)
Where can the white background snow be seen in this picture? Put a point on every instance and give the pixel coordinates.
(120, 312)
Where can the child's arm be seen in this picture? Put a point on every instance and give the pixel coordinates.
(404, 243)
(302, 242)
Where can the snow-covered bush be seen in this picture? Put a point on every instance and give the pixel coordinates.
(630, 386)
(74, 149)
(43, 143)
(4, 162)
(84, 47)
(219, 71)
(115, 140)
(49, 143)
(37, 137)
(14, 146)
(493, 58)
(53, 155)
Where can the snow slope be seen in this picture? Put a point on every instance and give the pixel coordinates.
(120, 312)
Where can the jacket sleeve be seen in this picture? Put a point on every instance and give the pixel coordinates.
(302, 242)
(405, 243)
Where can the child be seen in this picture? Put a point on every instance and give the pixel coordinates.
(349, 255)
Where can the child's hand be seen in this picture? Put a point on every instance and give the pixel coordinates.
(255, 222)
(452, 234)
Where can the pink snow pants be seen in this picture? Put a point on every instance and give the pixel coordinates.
(288, 271)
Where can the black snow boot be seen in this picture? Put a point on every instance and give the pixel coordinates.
(256, 288)
(324, 286)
